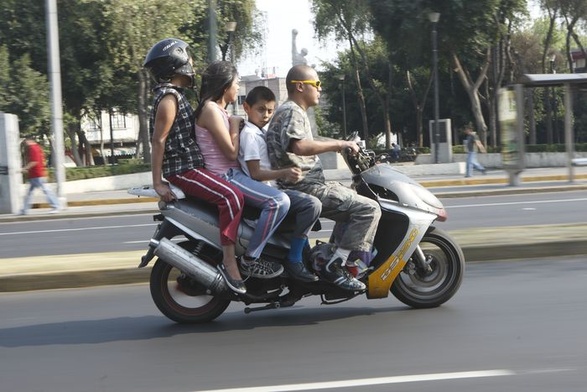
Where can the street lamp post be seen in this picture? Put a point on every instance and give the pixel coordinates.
(342, 79)
(56, 99)
(212, 29)
(434, 17)
(554, 116)
(230, 27)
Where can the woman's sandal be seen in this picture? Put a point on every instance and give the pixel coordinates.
(236, 285)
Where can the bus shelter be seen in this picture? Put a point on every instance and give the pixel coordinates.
(571, 84)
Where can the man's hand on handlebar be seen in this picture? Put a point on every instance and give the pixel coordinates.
(353, 146)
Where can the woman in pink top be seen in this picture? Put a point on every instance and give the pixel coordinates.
(219, 144)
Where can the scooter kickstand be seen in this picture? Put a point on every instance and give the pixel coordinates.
(271, 305)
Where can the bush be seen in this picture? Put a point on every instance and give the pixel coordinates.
(579, 147)
(126, 166)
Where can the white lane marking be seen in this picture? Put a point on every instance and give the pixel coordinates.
(513, 203)
(76, 229)
(370, 381)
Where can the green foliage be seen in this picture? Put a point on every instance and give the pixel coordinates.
(341, 18)
(325, 127)
(85, 173)
(400, 106)
(248, 35)
(5, 73)
(25, 93)
(103, 44)
(579, 147)
(458, 149)
(372, 144)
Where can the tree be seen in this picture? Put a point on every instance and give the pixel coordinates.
(467, 33)
(25, 93)
(340, 71)
(131, 32)
(24, 32)
(418, 96)
(103, 44)
(346, 20)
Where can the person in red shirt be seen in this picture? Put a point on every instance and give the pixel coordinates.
(36, 171)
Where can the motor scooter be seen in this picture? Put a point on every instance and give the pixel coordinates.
(420, 264)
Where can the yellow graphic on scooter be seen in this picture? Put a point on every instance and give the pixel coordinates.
(381, 279)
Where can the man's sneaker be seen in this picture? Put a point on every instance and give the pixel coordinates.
(334, 273)
(54, 211)
(259, 268)
(357, 268)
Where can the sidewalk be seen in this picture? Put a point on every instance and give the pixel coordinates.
(499, 243)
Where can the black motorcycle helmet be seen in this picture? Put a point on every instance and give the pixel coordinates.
(167, 58)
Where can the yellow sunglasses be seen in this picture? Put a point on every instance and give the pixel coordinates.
(315, 83)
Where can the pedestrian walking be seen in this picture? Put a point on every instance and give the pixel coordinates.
(472, 144)
(36, 171)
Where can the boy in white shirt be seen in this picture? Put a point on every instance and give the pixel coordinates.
(254, 160)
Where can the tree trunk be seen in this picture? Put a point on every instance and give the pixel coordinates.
(378, 94)
(472, 89)
(360, 94)
(419, 107)
(71, 132)
(104, 163)
(86, 148)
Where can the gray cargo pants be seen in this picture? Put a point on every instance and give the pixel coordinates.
(358, 214)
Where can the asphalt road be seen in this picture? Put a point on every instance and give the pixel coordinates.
(512, 327)
(515, 210)
(132, 232)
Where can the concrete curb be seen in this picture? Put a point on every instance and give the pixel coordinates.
(507, 243)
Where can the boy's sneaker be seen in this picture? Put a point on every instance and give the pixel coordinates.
(259, 268)
(334, 273)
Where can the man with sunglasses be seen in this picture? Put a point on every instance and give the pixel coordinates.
(290, 143)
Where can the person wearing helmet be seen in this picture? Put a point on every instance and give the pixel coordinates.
(177, 157)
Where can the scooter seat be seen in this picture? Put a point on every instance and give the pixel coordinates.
(149, 191)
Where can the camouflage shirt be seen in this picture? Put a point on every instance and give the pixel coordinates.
(289, 122)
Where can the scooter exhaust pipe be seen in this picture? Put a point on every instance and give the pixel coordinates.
(193, 266)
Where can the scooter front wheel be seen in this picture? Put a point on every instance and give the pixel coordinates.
(431, 282)
(180, 298)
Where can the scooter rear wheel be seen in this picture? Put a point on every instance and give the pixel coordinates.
(180, 298)
(420, 288)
